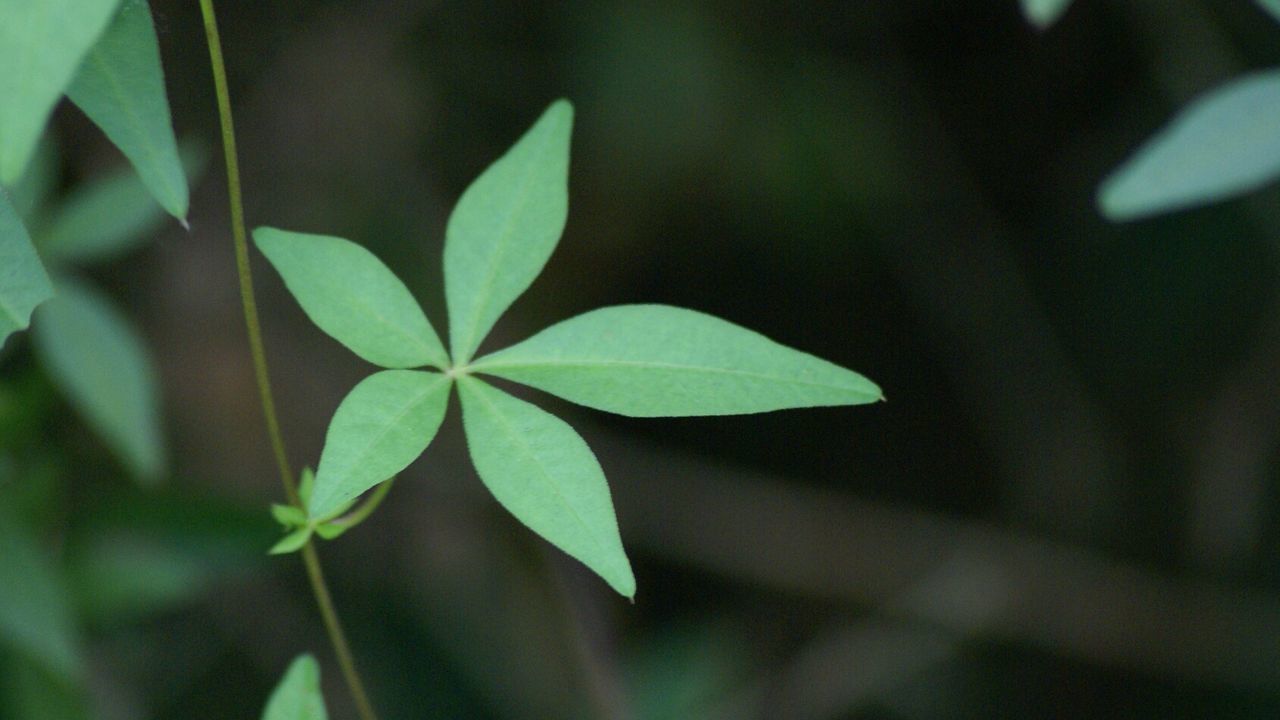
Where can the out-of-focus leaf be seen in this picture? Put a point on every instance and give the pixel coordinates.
(41, 45)
(288, 515)
(123, 576)
(1271, 6)
(108, 216)
(95, 356)
(505, 227)
(292, 542)
(383, 424)
(542, 471)
(34, 616)
(658, 360)
(120, 86)
(1224, 143)
(1043, 13)
(23, 281)
(298, 695)
(353, 297)
(31, 190)
(29, 691)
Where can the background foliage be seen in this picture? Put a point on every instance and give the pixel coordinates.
(1067, 507)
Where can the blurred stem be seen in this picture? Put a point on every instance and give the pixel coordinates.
(309, 556)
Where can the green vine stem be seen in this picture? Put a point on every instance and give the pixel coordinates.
(240, 237)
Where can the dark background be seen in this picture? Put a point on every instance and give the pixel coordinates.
(1067, 508)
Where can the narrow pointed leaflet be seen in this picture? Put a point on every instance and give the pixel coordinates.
(382, 425)
(504, 229)
(120, 86)
(1225, 143)
(353, 297)
(542, 472)
(41, 44)
(658, 360)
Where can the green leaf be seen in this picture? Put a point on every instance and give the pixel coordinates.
(288, 515)
(298, 696)
(41, 45)
(96, 357)
(504, 229)
(30, 192)
(291, 542)
(306, 485)
(354, 298)
(658, 360)
(382, 425)
(103, 218)
(1271, 6)
(32, 692)
(1043, 13)
(542, 471)
(331, 530)
(120, 87)
(34, 616)
(23, 281)
(1225, 143)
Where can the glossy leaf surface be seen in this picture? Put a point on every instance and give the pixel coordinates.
(298, 695)
(382, 425)
(352, 296)
(41, 45)
(23, 281)
(120, 86)
(1225, 143)
(504, 229)
(542, 471)
(98, 360)
(658, 360)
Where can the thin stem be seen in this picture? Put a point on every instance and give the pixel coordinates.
(309, 556)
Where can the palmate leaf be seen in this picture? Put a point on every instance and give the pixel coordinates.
(298, 695)
(504, 229)
(382, 425)
(41, 45)
(542, 471)
(1225, 143)
(23, 281)
(1043, 13)
(96, 357)
(120, 86)
(354, 298)
(658, 360)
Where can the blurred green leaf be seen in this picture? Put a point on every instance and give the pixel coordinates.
(98, 360)
(1043, 13)
(29, 691)
(352, 296)
(107, 216)
(658, 360)
(298, 695)
(291, 542)
(306, 485)
(383, 424)
(31, 190)
(34, 616)
(542, 471)
(1271, 6)
(504, 229)
(41, 45)
(1224, 143)
(120, 86)
(288, 515)
(23, 281)
(331, 530)
(122, 576)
